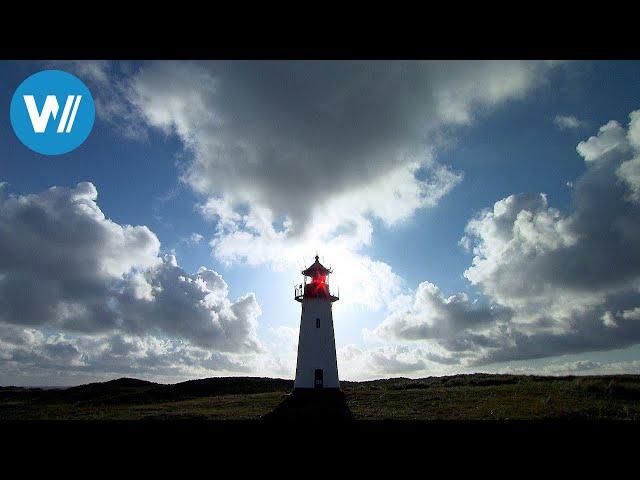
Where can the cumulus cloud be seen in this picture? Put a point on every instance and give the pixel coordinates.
(60, 256)
(109, 85)
(555, 282)
(390, 360)
(294, 157)
(27, 353)
(290, 136)
(395, 361)
(290, 158)
(430, 315)
(194, 307)
(66, 268)
(610, 138)
(564, 122)
(629, 171)
(578, 367)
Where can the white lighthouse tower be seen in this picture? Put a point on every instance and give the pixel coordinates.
(317, 366)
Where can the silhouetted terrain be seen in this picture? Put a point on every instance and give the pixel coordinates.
(327, 405)
(460, 397)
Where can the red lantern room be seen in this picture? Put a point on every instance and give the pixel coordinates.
(316, 284)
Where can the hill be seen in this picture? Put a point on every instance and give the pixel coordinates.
(459, 397)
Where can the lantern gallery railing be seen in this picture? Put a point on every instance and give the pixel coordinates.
(318, 284)
(314, 290)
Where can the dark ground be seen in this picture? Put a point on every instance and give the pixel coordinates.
(434, 399)
(481, 424)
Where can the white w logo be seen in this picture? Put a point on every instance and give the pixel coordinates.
(50, 108)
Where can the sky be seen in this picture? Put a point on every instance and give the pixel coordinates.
(479, 217)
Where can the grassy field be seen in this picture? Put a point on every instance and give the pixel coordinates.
(461, 397)
(497, 397)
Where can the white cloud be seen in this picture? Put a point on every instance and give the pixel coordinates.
(298, 157)
(610, 138)
(564, 122)
(629, 171)
(194, 239)
(28, 353)
(556, 282)
(609, 320)
(288, 334)
(65, 267)
(432, 315)
(108, 82)
(60, 254)
(293, 158)
(388, 360)
(392, 360)
(578, 367)
(520, 231)
(632, 314)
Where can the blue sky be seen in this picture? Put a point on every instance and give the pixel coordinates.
(170, 138)
(516, 148)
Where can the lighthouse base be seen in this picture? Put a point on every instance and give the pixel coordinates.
(316, 391)
(306, 404)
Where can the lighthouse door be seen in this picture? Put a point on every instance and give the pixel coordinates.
(319, 379)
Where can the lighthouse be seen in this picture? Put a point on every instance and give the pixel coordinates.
(317, 366)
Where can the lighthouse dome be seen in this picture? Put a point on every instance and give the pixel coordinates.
(316, 269)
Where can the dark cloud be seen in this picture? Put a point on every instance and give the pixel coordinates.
(291, 156)
(557, 282)
(431, 315)
(271, 133)
(107, 292)
(530, 255)
(28, 353)
(393, 364)
(194, 307)
(60, 257)
(288, 142)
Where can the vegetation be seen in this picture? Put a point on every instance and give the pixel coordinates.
(460, 397)
(497, 397)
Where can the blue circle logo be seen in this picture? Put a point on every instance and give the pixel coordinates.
(52, 112)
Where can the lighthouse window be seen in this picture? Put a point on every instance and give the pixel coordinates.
(317, 323)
